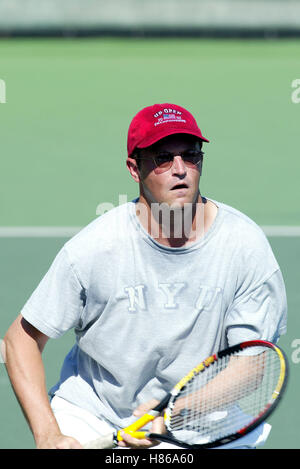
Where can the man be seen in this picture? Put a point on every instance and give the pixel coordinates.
(151, 288)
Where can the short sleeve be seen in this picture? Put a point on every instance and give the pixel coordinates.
(259, 313)
(56, 304)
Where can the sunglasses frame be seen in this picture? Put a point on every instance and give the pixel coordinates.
(158, 169)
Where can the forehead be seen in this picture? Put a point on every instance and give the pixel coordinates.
(176, 141)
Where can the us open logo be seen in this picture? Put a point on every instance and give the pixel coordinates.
(2, 92)
(168, 111)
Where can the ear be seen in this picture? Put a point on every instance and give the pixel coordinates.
(133, 169)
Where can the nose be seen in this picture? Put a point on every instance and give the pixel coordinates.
(178, 166)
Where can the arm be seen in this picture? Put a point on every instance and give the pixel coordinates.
(24, 345)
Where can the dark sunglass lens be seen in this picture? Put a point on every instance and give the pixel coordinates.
(163, 159)
(192, 156)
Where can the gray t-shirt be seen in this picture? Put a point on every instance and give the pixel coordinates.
(145, 314)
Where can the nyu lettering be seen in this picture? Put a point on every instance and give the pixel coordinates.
(168, 296)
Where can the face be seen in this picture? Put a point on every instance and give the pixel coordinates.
(176, 186)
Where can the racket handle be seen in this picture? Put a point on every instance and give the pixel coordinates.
(108, 441)
(138, 435)
(140, 423)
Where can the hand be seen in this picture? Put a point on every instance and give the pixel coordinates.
(157, 427)
(58, 441)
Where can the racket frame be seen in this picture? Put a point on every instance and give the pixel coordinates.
(269, 408)
(266, 412)
(165, 403)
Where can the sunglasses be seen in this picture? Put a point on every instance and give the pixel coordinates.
(163, 161)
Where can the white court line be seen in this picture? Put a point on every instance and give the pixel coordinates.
(69, 231)
(281, 231)
(38, 231)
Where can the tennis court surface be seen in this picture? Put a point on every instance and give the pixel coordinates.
(63, 150)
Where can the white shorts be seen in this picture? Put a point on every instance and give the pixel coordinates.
(84, 427)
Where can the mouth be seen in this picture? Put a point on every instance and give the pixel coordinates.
(179, 186)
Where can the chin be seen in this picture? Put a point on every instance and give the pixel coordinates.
(178, 204)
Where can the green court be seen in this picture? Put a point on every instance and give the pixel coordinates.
(63, 135)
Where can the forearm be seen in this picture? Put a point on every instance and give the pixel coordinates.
(241, 376)
(26, 372)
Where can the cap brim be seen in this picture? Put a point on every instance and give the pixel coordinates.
(150, 141)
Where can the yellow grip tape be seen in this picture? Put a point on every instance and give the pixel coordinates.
(132, 429)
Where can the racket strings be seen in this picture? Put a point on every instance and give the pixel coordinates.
(226, 397)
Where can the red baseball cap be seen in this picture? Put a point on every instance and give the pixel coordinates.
(158, 121)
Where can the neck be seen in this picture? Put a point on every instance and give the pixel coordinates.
(173, 227)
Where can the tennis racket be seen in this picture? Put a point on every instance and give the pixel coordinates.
(220, 400)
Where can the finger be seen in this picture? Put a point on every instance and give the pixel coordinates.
(129, 441)
(158, 425)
